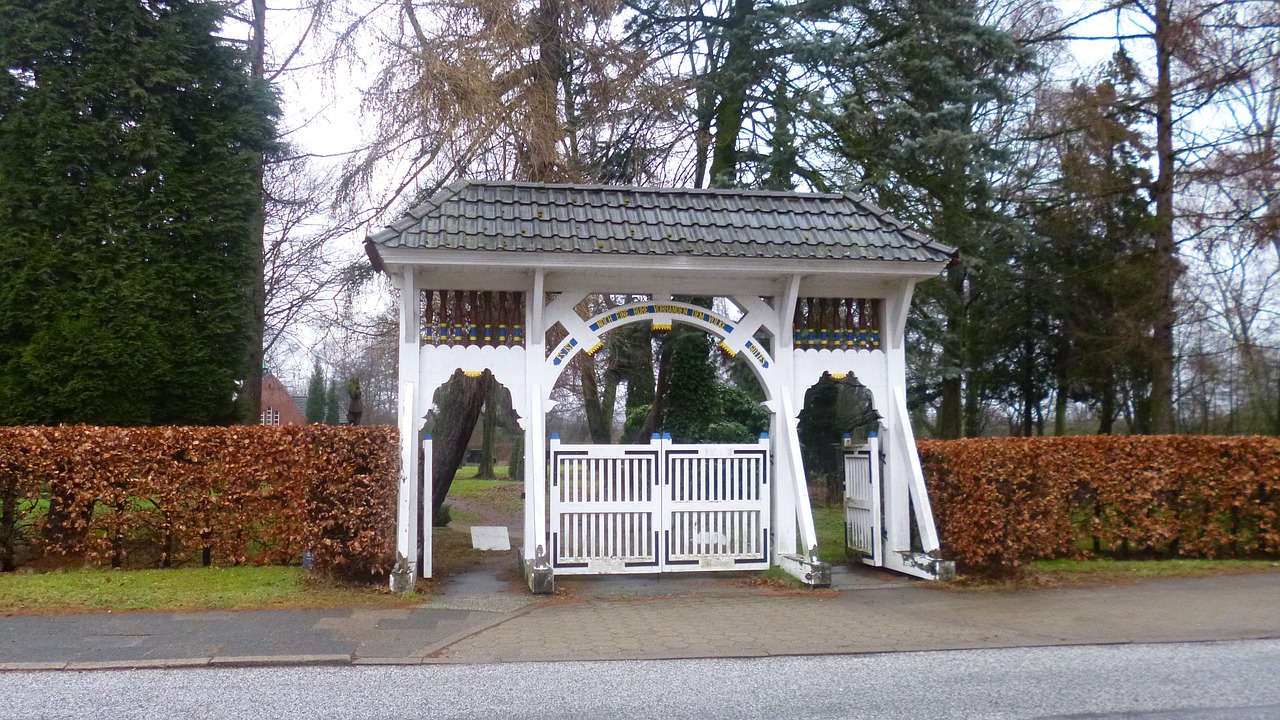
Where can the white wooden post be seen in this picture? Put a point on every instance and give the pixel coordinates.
(428, 506)
(407, 516)
(896, 491)
(537, 558)
(783, 425)
(904, 486)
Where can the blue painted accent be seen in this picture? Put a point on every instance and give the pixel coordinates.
(872, 434)
(848, 436)
(427, 436)
(555, 436)
(764, 436)
(655, 436)
(666, 436)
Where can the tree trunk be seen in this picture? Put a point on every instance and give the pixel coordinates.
(653, 421)
(974, 422)
(545, 130)
(1167, 266)
(1029, 400)
(950, 409)
(598, 425)
(452, 430)
(1062, 395)
(640, 374)
(251, 389)
(487, 431)
(609, 403)
(8, 522)
(732, 81)
(1107, 412)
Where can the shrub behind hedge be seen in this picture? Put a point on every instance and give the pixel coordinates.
(1000, 502)
(183, 494)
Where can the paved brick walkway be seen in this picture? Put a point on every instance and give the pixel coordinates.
(913, 617)
(659, 619)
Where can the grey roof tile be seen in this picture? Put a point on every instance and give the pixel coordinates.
(505, 216)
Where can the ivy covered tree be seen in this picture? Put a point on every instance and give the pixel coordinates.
(691, 400)
(128, 137)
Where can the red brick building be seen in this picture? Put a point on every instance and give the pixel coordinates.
(277, 407)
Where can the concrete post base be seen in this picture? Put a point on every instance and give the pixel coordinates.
(811, 572)
(403, 575)
(539, 576)
(924, 565)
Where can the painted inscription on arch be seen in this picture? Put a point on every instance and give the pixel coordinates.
(634, 311)
(565, 351)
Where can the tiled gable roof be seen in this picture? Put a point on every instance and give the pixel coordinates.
(505, 216)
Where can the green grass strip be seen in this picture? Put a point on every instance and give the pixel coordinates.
(239, 588)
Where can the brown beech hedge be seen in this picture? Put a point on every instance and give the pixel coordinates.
(1000, 502)
(224, 495)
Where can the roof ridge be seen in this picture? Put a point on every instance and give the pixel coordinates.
(656, 189)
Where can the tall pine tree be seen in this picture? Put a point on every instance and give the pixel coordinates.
(917, 83)
(128, 136)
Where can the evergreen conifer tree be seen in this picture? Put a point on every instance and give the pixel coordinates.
(918, 79)
(317, 395)
(332, 406)
(128, 133)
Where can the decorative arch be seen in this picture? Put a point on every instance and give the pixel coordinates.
(866, 365)
(507, 364)
(734, 337)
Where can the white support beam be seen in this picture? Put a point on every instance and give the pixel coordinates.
(897, 307)
(800, 488)
(904, 485)
(782, 425)
(428, 507)
(406, 568)
(757, 314)
(915, 477)
(536, 555)
(562, 310)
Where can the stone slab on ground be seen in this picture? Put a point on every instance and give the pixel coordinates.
(490, 537)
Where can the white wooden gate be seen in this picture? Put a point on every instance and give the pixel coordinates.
(863, 516)
(661, 507)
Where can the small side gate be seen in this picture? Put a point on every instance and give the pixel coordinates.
(862, 502)
(661, 507)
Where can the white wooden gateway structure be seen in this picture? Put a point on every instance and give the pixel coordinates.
(489, 272)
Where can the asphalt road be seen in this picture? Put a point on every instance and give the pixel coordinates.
(1239, 679)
